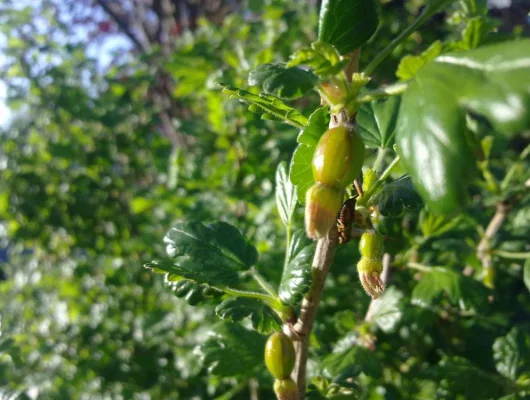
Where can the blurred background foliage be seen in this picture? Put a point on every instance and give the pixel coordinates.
(118, 130)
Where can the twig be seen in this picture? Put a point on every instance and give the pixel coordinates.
(483, 249)
(320, 268)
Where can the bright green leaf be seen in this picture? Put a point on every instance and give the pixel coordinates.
(348, 24)
(270, 105)
(432, 136)
(264, 319)
(285, 195)
(301, 171)
(377, 122)
(410, 65)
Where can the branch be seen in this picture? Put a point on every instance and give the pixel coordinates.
(125, 25)
(319, 269)
(483, 249)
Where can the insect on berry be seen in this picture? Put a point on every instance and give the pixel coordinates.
(345, 220)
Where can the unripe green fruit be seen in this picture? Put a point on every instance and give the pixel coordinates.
(285, 389)
(338, 157)
(371, 245)
(321, 208)
(279, 355)
(369, 270)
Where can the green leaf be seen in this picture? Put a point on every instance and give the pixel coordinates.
(263, 318)
(474, 34)
(232, 350)
(351, 363)
(296, 277)
(410, 65)
(386, 311)
(436, 225)
(211, 254)
(432, 138)
(512, 353)
(271, 106)
(377, 121)
(348, 24)
(301, 170)
(396, 195)
(465, 292)
(219, 241)
(287, 83)
(526, 274)
(193, 292)
(199, 270)
(322, 57)
(285, 195)
(458, 377)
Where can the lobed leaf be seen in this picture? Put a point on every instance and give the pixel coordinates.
(348, 24)
(232, 350)
(296, 277)
(377, 122)
(264, 319)
(432, 137)
(287, 83)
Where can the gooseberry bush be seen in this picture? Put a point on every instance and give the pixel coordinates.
(418, 189)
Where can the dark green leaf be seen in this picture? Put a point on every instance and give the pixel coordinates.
(351, 363)
(296, 278)
(216, 242)
(211, 254)
(287, 83)
(512, 353)
(432, 137)
(465, 292)
(233, 350)
(386, 311)
(301, 171)
(377, 122)
(396, 195)
(200, 270)
(271, 105)
(457, 377)
(263, 318)
(348, 24)
(193, 292)
(285, 195)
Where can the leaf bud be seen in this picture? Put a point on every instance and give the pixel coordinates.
(279, 355)
(322, 205)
